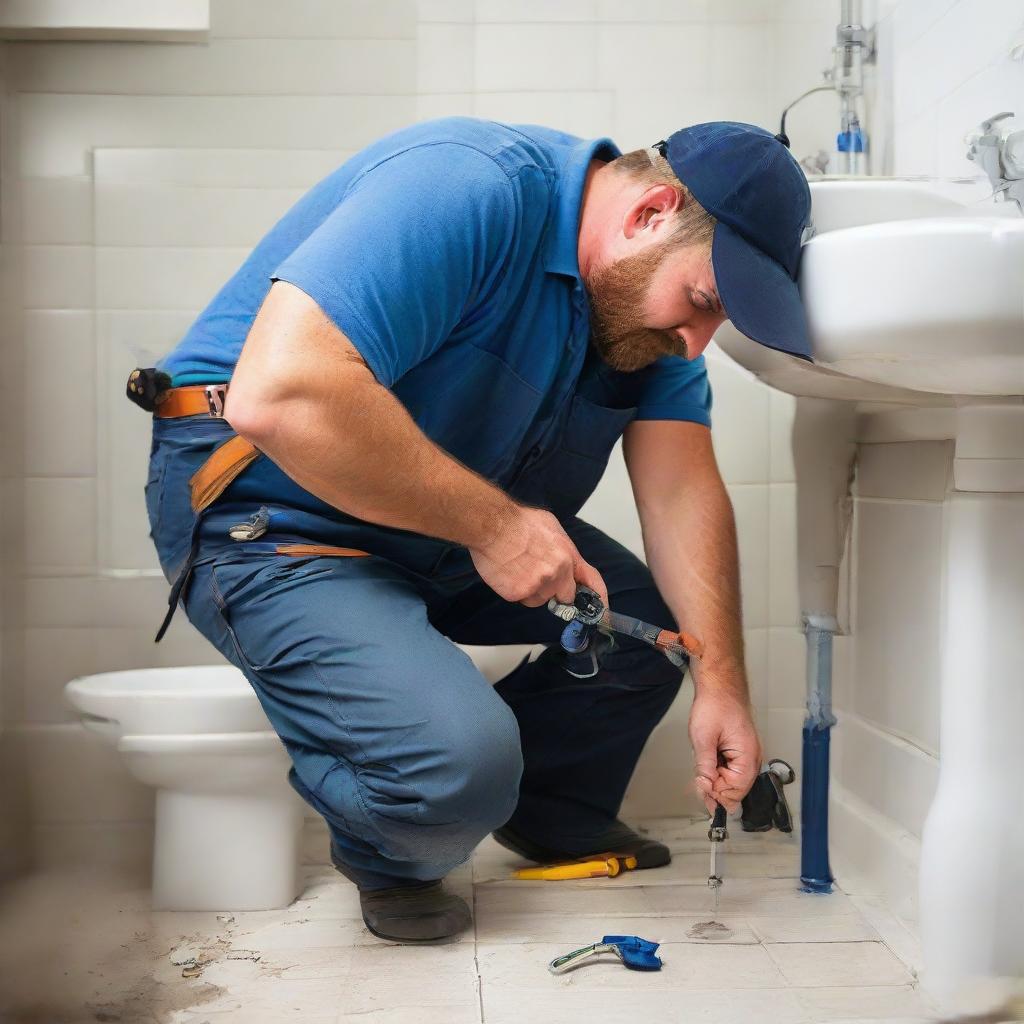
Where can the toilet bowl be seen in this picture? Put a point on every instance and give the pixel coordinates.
(228, 825)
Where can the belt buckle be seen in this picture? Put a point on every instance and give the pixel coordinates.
(215, 395)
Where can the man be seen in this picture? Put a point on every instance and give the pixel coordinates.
(443, 341)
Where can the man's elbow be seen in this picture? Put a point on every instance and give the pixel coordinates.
(251, 411)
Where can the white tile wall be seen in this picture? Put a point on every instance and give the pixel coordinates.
(226, 67)
(57, 276)
(162, 278)
(56, 210)
(61, 512)
(588, 114)
(750, 506)
(951, 69)
(572, 11)
(896, 778)
(446, 104)
(742, 56)
(445, 57)
(216, 168)
(783, 598)
(58, 131)
(77, 776)
(787, 674)
(654, 11)
(93, 602)
(53, 656)
(739, 419)
(674, 60)
(313, 19)
(173, 216)
(897, 667)
(536, 57)
(60, 438)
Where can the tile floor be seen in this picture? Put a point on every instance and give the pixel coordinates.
(76, 950)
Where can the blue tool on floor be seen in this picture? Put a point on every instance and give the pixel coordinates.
(635, 953)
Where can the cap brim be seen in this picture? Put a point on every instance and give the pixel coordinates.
(760, 298)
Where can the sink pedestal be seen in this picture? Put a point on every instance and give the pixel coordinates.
(972, 859)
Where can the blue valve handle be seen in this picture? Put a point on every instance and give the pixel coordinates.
(587, 609)
(575, 637)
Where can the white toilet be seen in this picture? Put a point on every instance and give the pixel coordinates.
(228, 825)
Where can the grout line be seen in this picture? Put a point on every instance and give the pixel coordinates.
(476, 943)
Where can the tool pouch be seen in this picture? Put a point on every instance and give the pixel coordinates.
(147, 387)
(765, 807)
(214, 476)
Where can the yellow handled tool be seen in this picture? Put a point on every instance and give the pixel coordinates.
(607, 867)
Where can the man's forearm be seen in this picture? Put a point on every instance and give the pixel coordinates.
(350, 442)
(691, 550)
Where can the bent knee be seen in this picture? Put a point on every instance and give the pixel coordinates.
(462, 791)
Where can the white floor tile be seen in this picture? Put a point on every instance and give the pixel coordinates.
(581, 1003)
(445, 1013)
(771, 954)
(590, 899)
(580, 930)
(883, 1003)
(845, 928)
(686, 966)
(903, 942)
(822, 964)
(302, 934)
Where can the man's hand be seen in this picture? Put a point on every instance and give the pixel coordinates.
(721, 724)
(531, 559)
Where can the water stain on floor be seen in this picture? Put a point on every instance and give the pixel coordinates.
(710, 930)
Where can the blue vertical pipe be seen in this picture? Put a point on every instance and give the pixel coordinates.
(815, 873)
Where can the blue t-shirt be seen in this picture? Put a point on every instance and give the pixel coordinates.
(447, 254)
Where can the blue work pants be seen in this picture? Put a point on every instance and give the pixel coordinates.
(395, 736)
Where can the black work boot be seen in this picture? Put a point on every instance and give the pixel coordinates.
(421, 912)
(617, 838)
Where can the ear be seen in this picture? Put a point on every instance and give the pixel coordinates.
(651, 211)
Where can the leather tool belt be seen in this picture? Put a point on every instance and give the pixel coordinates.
(151, 390)
(228, 461)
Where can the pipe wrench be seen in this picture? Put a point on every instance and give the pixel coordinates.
(587, 613)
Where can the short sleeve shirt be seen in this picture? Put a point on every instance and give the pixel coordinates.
(447, 254)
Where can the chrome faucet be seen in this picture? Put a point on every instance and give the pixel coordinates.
(855, 47)
(999, 150)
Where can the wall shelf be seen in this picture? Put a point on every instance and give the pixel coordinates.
(155, 21)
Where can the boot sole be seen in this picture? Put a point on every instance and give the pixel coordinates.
(440, 940)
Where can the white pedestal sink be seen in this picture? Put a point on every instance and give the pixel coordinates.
(916, 310)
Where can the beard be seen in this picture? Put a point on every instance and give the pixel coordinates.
(617, 293)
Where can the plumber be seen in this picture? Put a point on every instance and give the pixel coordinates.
(431, 357)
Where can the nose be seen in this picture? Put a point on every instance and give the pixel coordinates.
(698, 336)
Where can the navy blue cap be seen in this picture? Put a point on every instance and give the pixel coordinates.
(747, 179)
